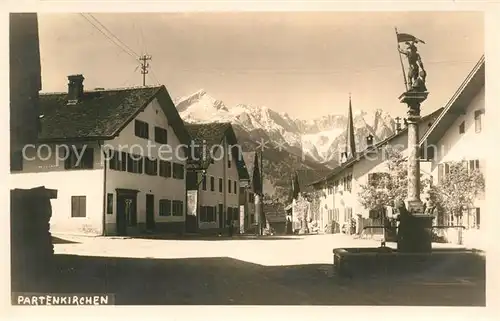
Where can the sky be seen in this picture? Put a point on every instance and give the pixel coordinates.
(301, 63)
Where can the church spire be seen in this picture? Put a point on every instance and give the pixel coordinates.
(350, 148)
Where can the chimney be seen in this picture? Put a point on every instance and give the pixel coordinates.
(369, 140)
(398, 124)
(75, 89)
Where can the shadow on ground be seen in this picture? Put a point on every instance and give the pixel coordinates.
(226, 281)
(223, 237)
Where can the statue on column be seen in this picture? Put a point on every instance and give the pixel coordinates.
(416, 71)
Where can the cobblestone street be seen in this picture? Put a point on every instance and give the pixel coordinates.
(220, 271)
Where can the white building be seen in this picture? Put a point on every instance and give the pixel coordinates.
(340, 202)
(459, 135)
(99, 191)
(214, 185)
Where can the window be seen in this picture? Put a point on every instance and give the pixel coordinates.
(160, 135)
(178, 171)
(204, 183)
(135, 164)
(251, 198)
(347, 183)
(118, 160)
(229, 214)
(16, 161)
(235, 188)
(229, 160)
(81, 159)
(141, 129)
(207, 214)
(473, 165)
(123, 161)
(212, 183)
(461, 128)
(221, 185)
(478, 217)
(78, 206)
(477, 120)
(165, 169)
(114, 160)
(109, 203)
(229, 186)
(151, 166)
(177, 208)
(165, 207)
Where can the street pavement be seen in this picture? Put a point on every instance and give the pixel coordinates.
(239, 271)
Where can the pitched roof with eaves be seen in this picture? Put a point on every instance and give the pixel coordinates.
(362, 154)
(209, 135)
(102, 114)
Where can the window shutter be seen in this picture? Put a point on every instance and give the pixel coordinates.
(440, 173)
(67, 160)
(83, 206)
(74, 206)
(89, 158)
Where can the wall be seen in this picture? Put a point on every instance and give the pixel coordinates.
(470, 145)
(43, 170)
(160, 187)
(219, 169)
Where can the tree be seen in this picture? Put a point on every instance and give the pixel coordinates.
(383, 189)
(458, 189)
(300, 210)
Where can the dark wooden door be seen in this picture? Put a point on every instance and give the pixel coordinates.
(121, 218)
(221, 216)
(150, 212)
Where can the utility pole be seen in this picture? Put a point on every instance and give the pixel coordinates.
(261, 220)
(144, 67)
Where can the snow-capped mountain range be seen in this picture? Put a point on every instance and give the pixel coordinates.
(320, 140)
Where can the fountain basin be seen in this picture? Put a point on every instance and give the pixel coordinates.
(385, 261)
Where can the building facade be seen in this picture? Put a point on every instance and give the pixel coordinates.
(115, 157)
(340, 206)
(215, 184)
(458, 135)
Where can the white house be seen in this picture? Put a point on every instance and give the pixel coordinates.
(115, 156)
(214, 185)
(458, 135)
(340, 201)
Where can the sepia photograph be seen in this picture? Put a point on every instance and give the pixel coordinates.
(307, 158)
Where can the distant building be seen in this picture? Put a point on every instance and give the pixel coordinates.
(215, 178)
(339, 203)
(104, 152)
(459, 135)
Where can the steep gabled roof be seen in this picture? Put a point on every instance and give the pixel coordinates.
(211, 134)
(457, 104)
(362, 154)
(308, 176)
(102, 114)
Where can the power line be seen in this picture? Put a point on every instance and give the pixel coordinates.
(131, 54)
(311, 71)
(113, 35)
(154, 77)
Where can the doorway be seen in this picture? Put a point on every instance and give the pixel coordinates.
(126, 210)
(150, 212)
(221, 216)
